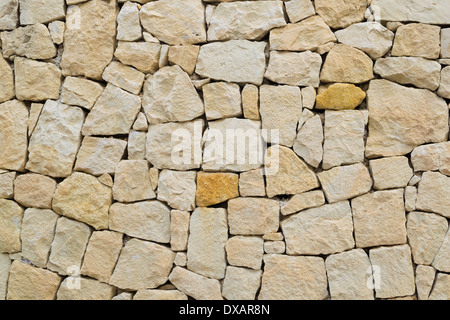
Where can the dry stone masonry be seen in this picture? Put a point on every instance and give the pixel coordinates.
(222, 149)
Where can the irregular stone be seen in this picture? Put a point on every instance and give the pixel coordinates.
(424, 281)
(402, 118)
(308, 97)
(148, 220)
(241, 283)
(144, 56)
(250, 102)
(273, 236)
(164, 56)
(341, 13)
(294, 68)
(445, 43)
(33, 42)
(280, 109)
(347, 64)
(340, 96)
(176, 146)
(245, 20)
(159, 295)
(342, 183)
(253, 216)
(101, 255)
(6, 81)
(136, 145)
(379, 219)
(214, 188)
(113, 113)
(13, 135)
(5, 265)
(222, 100)
(141, 123)
(432, 194)
(90, 289)
(293, 278)
(177, 188)
(417, 40)
(90, 40)
(389, 173)
(432, 157)
(308, 144)
(106, 179)
(426, 233)
(441, 261)
(35, 113)
(181, 258)
(420, 72)
(304, 232)
(170, 96)
(11, 222)
(274, 247)
(128, 24)
(7, 185)
(245, 252)
(34, 190)
(395, 271)
(56, 29)
(308, 34)
(208, 234)
(444, 88)
(251, 184)
(123, 296)
(440, 290)
(124, 77)
(9, 13)
(299, 9)
(184, 56)
(32, 12)
(233, 145)
(286, 173)
(300, 202)
(348, 274)
(36, 80)
(175, 23)
(154, 177)
(30, 283)
(240, 61)
(195, 285)
(132, 181)
(410, 198)
(179, 230)
(80, 92)
(82, 197)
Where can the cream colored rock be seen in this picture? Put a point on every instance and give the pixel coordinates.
(106, 179)
(179, 230)
(253, 216)
(402, 118)
(389, 173)
(124, 77)
(379, 219)
(215, 188)
(141, 123)
(170, 96)
(35, 113)
(445, 43)
(113, 113)
(299, 9)
(417, 40)
(342, 183)
(340, 96)
(432, 194)
(84, 198)
(101, 255)
(32, 12)
(426, 233)
(5, 265)
(293, 278)
(128, 24)
(308, 97)
(177, 188)
(30, 283)
(250, 20)
(36, 80)
(274, 247)
(148, 220)
(159, 295)
(132, 181)
(123, 296)
(425, 276)
(195, 285)
(6, 81)
(417, 71)
(240, 61)
(56, 29)
(309, 142)
(13, 135)
(136, 145)
(440, 290)
(410, 198)
(144, 56)
(432, 157)
(184, 56)
(241, 283)
(165, 142)
(181, 257)
(99, 155)
(396, 276)
(250, 102)
(324, 230)
(341, 13)
(90, 40)
(273, 236)
(175, 23)
(280, 109)
(34, 190)
(251, 184)
(286, 173)
(302, 201)
(9, 13)
(348, 275)
(142, 265)
(7, 185)
(441, 261)
(33, 42)
(11, 222)
(90, 289)
(222, 100)
(80, 92)
(444, 87)
(245, 251)
(208, 234)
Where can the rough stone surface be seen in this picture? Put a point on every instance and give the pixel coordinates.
(80, 92)
(195, 285)
(6, 81)
(144, 56)
(390, 173)
(300, 202)
(251, 184)
(432, 157)
(250, 102)
(340, 96)
(128, 24)
(5, 265)
(444, 86)
(179, 230)
(214, 188)
(417, 40)
(425, 276)
(245, 252)
(441, 261)
(124, 77)
(9, 13)
(299, 9)
(177, 188)
(159, 295)
(241, 283)
(132, 181)
(7, 185)
(11, 222)
(222, 100)
(32, 12)
(90, 290)
(184, 56)
(341, 13)
(432, 193)
(441, 291)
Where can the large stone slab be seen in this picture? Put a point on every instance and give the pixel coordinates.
(32, 11)
(195, 285)
(341, 13)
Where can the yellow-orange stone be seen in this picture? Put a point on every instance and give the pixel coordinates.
(340, 96)
(214, 188)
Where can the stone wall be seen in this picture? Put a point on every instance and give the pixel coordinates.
(179, 149)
